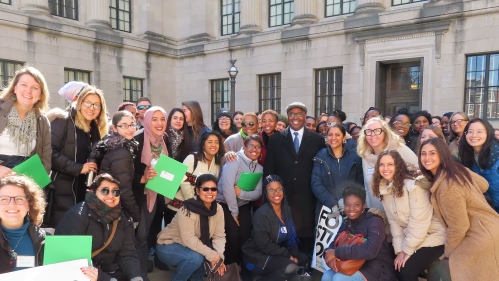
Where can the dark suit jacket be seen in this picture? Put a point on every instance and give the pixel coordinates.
(296, 172)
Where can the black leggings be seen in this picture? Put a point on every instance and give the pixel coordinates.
(282, 268)
(236, 235)
(423, 258)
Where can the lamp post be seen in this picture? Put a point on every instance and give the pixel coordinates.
(232, 74)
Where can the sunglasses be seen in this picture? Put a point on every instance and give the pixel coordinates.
(250, 124)
(212, 189)
(140, 107)
(105, 191)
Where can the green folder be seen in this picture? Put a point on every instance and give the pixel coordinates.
(248, 181)
(33, 168)
(170, 175)
(61, 248)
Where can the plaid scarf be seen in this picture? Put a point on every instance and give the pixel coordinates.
(107, 214)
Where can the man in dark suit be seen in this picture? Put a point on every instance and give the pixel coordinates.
(290, 155)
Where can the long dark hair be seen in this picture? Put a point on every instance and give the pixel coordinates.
(466, 151)
(448, 166)
(221, 150)
(232, 128)
(285, 210)
(196, 116)
(185, 144)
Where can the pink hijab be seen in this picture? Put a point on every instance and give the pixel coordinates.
(146, 157)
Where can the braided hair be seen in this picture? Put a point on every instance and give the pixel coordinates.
(285, 210)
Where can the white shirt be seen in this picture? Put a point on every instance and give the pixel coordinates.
(300, 134)
(8, 148)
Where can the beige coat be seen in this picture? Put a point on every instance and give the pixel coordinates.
(185, 230)
(413, 223)
(472, 241)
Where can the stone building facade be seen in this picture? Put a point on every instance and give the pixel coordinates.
(351, 54)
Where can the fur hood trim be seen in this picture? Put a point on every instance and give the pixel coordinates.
(57, 113)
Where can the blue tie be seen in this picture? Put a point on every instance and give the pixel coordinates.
(296, 142)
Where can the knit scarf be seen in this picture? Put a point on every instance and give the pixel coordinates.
(106, 213)
(195, 205)
(22, 132)
(242, 134)
(176, 139)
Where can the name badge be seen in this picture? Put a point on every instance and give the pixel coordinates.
(25, 261)
(284, 230)
(370, 171)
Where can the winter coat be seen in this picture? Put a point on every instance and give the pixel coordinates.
(117, 161)
(413, 223)
(137, 187)
(65, 169)
(369, 162)
(491, 174)
(411, 141)
(375, 250)
(295, 169)
(37, 237)
(472, 240)
(330, 175)
(234, 142)
(263, 242)
(185, 230)
(120, 254)
(43, 141)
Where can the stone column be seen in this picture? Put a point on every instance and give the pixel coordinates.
(366, 6)
(98, 13)
(36, 6)
(305, 12)
(251, 16)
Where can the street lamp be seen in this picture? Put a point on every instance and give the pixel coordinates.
(232, 74)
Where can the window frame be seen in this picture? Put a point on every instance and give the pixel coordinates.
(341, 8)
(223, 103)
(233, 16)
(130, 89)
(283, 3)
(272, 92)
(60, 8)
(9, 2)
(75, 75)
(331, 85)
(3, 65)
(410, 2)
(117, 8)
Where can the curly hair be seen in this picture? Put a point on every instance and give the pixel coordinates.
(36, 198)
(403, 171)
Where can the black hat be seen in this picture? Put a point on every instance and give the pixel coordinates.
(223, 112)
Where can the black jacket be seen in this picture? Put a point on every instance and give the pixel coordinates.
(137, 187)
(118, 162)
(65, 169)
(375, 250)
(120, 254)
(263, 241)
(37, 237)
(296, 172)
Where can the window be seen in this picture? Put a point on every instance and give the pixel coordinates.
(133, 89)
(76, 75)
(340, 7)
(7, 71)
(482, 86)
(281, 12)
(64, 8)
(270, 92)
(231, 13)
(220, 96)
(403, 2)
(120, 15)
(328, 90)
(5, 2)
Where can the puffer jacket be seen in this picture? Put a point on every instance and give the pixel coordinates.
(37, 237)
(119, 154)
(65, 169)
(413, 222)
(120, 254)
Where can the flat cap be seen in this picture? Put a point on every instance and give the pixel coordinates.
(296, 104)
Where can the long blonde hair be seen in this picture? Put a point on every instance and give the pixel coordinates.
(8, 92)
(364, 147)
(101, 119)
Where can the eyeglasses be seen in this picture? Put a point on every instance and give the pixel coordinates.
(257, 147)
(376, 132)
(105, 191)
(399, 123)
(274, 191)
(293, 114)
(18, 200)
(250, 124)
(126, 126)
(141, 107)
(331, 124)
(212, 189)
(89, 104)
(224, 118)
(458, 122)
(477, 133)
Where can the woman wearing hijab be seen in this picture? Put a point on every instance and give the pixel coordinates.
(151, 146)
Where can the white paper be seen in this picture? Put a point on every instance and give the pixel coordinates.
(63, 271)
(167, 176)
(327, 227)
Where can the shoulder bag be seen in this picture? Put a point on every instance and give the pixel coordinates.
(347, 267)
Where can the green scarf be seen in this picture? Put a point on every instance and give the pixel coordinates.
(242, 134)
(107, 214)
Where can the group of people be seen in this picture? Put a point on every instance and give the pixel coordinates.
(422, 189)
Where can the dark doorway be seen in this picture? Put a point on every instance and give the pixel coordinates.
(399, 84)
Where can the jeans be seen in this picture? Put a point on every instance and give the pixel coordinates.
(331, 275)
(189, 263)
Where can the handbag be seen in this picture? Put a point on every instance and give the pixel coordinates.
(231, 272)
(347, 267)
